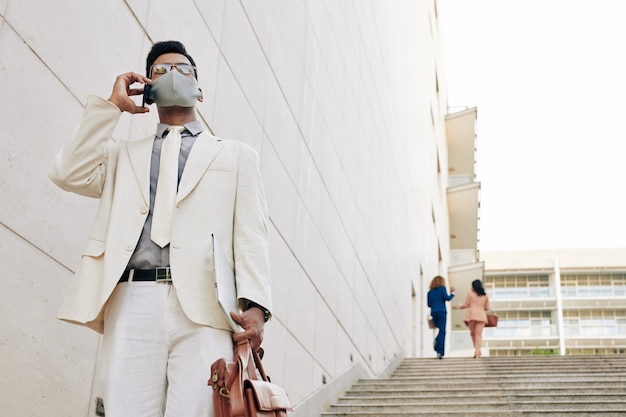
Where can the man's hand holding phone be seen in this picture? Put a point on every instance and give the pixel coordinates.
(122, 92)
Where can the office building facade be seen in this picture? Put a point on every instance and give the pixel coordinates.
(561, 302)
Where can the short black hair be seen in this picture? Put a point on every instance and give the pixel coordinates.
(167, 47)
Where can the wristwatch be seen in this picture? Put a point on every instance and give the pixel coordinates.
(266, 312)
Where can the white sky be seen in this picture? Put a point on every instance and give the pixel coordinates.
(549, 80)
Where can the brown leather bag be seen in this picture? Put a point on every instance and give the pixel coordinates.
(240, 391)
(492, 320)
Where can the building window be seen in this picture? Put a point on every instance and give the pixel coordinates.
(593, 285)
(522, 325)
(594, 323)
(516, 287)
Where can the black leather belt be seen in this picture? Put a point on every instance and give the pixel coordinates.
(157, 274)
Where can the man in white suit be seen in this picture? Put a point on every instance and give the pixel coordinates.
(146, 280)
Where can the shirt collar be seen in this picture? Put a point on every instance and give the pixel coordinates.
(194, 128)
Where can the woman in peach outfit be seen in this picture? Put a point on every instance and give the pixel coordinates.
(477, 304)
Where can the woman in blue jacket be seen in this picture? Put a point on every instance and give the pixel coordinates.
(437, 297)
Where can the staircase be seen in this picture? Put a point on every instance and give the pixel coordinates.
(522, 386)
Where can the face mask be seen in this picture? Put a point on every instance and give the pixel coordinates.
(175, 89)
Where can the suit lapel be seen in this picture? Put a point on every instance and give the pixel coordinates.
(140, 154)
(202, 154)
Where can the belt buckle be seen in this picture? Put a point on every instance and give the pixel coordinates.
(163, 274)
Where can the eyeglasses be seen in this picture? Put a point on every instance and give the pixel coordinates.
(184, 69)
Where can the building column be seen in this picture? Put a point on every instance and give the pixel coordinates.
(559, 306)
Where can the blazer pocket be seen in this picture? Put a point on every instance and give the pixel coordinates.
(220, 167)
(94, 248)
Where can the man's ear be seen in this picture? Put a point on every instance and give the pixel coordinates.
(201, 98)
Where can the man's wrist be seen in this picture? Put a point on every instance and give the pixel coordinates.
(266, 312)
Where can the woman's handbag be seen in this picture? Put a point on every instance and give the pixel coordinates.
(239, 391)
(431, 323)
(492, 320)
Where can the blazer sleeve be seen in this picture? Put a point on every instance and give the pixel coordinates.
(250, 233)
(487, 305)
(80, 166)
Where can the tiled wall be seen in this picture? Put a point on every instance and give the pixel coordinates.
(343, 99)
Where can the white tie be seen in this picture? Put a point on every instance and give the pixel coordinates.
(167, 184)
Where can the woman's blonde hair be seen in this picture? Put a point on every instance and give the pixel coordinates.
(438, 281)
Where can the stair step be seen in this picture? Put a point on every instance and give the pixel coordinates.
(576, 386)
(484, 400)
(513, 379)
(481, 393)
(502, 406)
(480, 413)
(504, 369)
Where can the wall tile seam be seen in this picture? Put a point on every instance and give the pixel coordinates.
(334, 89)
(206, 23)
(358, 257)
(40, 59)
(36, 247)
(368, 67)
(333, 312)
(294, 116)
(217, 45)
(314, 358)
(223, 55)
(327, 191)
(325, 186)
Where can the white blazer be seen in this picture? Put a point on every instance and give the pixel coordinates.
(220, 193)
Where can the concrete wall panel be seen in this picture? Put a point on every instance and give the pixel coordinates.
(339, 99)
(47, 366)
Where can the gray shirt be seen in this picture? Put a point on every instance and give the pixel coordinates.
(148, 255)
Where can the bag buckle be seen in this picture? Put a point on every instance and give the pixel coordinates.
(224, 392)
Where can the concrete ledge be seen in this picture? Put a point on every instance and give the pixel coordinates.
(320, 400)
(391, 366)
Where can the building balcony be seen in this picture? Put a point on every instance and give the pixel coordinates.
(615, 341)
(519, 343)
(594, 303)
(522, 304)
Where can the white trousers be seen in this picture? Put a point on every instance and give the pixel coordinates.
(156, 362)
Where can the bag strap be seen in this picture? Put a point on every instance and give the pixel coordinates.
(246, 362)
(237, 406)
(259, 365)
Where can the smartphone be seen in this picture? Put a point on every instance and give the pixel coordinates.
(147, 95)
